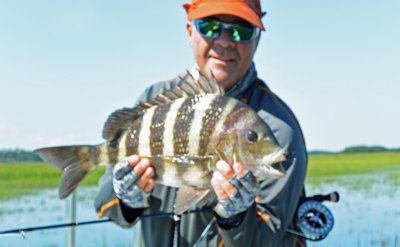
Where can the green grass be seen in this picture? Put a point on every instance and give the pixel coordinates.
(331, 167)
(26, 178)
(341, 164)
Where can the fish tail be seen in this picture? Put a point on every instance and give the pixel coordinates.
(74, 161)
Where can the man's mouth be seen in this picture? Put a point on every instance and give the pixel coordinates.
(223, 60)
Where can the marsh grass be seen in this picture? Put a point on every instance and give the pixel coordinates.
(26, 178)
(336, 167)
(18, 179)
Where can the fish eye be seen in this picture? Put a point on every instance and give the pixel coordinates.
(252, 136)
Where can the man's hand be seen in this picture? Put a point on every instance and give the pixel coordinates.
(236, 188)
(133, 180)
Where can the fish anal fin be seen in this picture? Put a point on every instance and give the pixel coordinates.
(190, 197)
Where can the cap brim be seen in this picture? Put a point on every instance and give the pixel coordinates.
(240, 10)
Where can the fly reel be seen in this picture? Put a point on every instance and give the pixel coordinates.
(315, 220)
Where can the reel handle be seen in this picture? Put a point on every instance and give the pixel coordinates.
(331, 197)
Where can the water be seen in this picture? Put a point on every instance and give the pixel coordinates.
(46, 209)
(368, 214)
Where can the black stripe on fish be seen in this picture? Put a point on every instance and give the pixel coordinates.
(131, 142)
(212, 116)
(157, 129)
(182, 126)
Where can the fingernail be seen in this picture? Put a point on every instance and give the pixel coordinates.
(133, 159)
(221, 165)
(150, 172)
(218, 176)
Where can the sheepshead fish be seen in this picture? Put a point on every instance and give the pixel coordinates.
(184, 131)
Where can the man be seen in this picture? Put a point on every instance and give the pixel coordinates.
(223, 35)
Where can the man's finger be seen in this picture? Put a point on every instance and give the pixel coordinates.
(149, 186)
(146, 176)
(225, 169)
(240, 169)
(218, 190)
(226, 186)
(142, 166)
(133, 160)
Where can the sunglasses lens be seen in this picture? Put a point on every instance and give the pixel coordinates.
(213, 28)
(209, 28)
(242, 32)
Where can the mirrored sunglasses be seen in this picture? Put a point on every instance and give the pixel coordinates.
(240, 32)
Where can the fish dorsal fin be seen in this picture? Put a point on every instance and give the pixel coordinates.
(118, 121)
(190, 84)
(194, 83)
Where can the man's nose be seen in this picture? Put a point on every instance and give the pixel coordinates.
(225, 40)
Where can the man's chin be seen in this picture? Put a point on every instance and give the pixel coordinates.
(222, 76)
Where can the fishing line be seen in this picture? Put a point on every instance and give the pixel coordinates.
(203, 234)
(19, 234)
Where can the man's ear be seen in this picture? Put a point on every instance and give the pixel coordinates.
(189, 30)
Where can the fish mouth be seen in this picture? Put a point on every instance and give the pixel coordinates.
(275, 157)
(280, 170)
(272, 165)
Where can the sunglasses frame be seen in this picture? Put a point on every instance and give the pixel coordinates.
(227, 26)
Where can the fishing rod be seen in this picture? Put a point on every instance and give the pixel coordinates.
(46, 227)
(91, 222)
(314, 219)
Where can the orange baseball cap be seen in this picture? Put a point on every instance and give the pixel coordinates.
(249, 10)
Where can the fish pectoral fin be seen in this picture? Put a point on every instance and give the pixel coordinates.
(190, 197)
(220, 155)
(235, 153)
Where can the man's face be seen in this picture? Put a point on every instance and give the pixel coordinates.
(225, 59)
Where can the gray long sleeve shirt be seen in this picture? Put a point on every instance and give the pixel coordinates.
(264, 223)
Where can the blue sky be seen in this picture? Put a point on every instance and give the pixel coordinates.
(66, 65)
